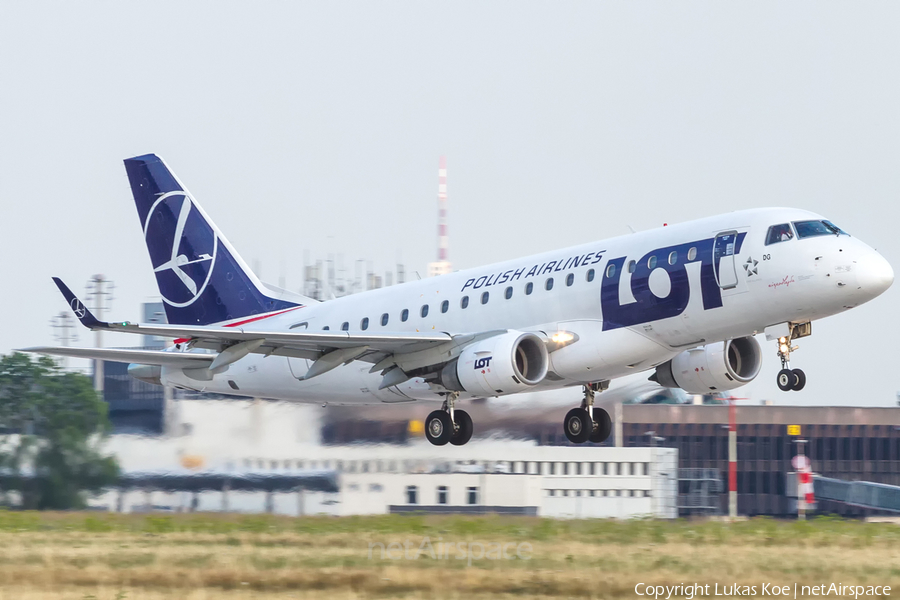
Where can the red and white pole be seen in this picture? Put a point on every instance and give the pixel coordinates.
(443, 239)
(810, 489)
(732, 459)
(805, 495)
(804, 482)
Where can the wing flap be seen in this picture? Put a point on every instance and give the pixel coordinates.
(318, 340)
(144, 357)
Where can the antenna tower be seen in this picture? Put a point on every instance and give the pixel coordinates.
(64, 332)
(99, 294)
(442, 265)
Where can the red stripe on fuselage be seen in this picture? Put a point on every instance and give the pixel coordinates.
(250, 320)
(261, 317)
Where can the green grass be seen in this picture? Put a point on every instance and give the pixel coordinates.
(828, 531)
(202, 556)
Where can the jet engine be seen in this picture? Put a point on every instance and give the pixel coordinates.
(504, 364)
(146, 373)
(712, 368)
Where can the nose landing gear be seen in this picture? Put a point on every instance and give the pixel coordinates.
(588, 423)
(789, 379)
(449, 424)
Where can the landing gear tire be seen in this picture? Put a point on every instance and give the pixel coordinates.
(578, 425)
(799, 380)
(602, 426)
(786, 380)
(464, 428)
(791, 379)
(438, 427)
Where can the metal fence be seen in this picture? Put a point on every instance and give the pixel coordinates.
(699, 491)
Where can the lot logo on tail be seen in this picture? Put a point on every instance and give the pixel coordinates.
(78, 308)
(182, 248)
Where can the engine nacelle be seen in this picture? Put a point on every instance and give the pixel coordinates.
(146, 373)
(504, 364)
(712, 368)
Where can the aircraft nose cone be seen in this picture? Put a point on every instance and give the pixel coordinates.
(874, 274)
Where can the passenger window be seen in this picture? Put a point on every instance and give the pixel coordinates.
(673, 257)
(445, 306)
(549, 285)
(345, 326)
(424, 310)
(364, 324)
(631, 266)
(464, 303)
(651, 263)
(529, 287)
(590, 275)
(692, 254)
(384, 319)
(485, 297)
(326, 328)
(611, 271)
(781, 233)
(509, 292)
(404, 314)
(570, 279)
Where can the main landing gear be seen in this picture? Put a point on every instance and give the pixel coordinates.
(449, 424)
(588, 423)
(791, 379)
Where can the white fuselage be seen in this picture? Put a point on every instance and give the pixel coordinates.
(686, 288)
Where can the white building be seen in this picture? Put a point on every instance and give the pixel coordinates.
(507, 476)
(563, 482)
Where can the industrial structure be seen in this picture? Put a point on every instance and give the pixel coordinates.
(442, 266)
(330, 278)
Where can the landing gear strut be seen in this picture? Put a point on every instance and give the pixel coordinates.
(449, 424)
(588, 423)
(791, 379)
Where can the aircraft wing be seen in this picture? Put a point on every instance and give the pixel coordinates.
(191, 360)
(414, 350)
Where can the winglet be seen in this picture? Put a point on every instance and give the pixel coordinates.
(84, 315)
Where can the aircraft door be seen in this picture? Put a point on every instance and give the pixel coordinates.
(723, 260)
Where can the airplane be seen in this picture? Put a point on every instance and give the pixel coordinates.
(683, 302)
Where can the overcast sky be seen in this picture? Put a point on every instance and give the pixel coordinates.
(318, 126)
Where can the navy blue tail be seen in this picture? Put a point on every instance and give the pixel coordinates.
(202, 280)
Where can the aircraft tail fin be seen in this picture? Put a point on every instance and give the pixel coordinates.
(201, 278)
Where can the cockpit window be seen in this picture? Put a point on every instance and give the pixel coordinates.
(807, 229)
(837, 230)
(779, 233)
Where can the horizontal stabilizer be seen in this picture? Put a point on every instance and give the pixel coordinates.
(144, 357)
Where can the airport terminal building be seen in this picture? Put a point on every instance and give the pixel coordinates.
(848, 443)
